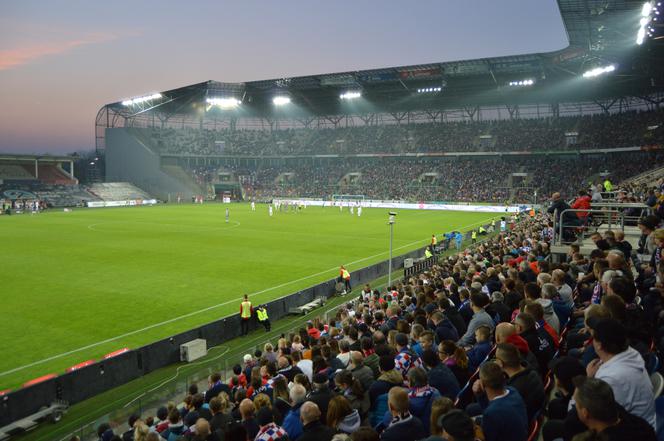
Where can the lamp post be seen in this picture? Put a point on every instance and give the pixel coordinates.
(390, 222)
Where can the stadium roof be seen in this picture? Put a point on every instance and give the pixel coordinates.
(600, 33)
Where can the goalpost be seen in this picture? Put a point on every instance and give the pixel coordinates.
(348, 198)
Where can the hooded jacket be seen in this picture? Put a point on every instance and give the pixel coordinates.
(386, 381)
(626, 374)
(549, 315)
(350, 423)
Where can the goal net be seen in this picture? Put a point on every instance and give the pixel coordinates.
(348, 198)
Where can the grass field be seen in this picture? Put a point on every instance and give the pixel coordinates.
(79, 285)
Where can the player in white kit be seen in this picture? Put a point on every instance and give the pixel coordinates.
(352, 210)
(269, 210)
(253, 206)
(359, 211)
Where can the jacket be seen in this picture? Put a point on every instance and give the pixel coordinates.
(386, 381)
(499, 312)
(316, 431)
(529, 385)
(372, 361)
(364, 375)
(350, 423)
(443, 379)
(421, 400)
(477, 354)
(549, 315)
(174, 431)
(322, 399)
(541, 345)
(630, 427)
(505, 418)
(626, 374)
(457, 320)
(409, 428)
(445, 330)
(292, 424)
(479, 318)
(582, 203)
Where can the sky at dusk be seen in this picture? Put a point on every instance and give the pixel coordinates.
(61, 61)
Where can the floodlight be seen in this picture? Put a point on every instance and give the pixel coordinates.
(350, 95)
(599, 71)
(429, 89)
(281, 100)
(224, 103)
(141, 99)
(645, 10)
(527, 82)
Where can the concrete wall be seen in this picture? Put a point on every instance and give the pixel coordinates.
(129, 160)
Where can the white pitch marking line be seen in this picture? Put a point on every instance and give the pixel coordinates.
(209, 308)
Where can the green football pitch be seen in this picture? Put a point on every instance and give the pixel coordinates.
(78, 285)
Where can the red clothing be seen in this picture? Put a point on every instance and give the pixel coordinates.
(552, 332)
(313, 333)
(520, 343)
(581, 203)
(242, 381)
(534, 267)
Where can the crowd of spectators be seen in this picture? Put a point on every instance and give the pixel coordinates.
(469, 349)
(624, 129)
(443, 179)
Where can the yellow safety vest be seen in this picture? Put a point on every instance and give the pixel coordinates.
(262, 314)
(346, 275)
(474, 235)
(482, 230)
(427, 253)
(246, 310)
(608, 186)
(434, 241)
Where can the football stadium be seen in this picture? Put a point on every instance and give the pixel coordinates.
(461, 250)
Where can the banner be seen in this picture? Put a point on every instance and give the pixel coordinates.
(409, 205)
(128, 203)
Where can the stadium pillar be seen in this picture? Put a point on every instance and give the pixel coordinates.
(36, 168)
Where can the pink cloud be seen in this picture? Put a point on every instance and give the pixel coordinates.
(18, 56)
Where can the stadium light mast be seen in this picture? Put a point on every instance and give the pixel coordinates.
(390, 222)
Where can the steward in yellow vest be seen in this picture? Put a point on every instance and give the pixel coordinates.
(261, 314)
(345, 276)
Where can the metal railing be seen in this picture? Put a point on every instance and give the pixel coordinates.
(594, 219)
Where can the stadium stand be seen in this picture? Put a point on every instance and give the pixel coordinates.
(500, 330)
(14, 172)
(626, 129)
(116, 191)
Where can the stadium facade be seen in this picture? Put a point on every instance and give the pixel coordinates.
(543, 85)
